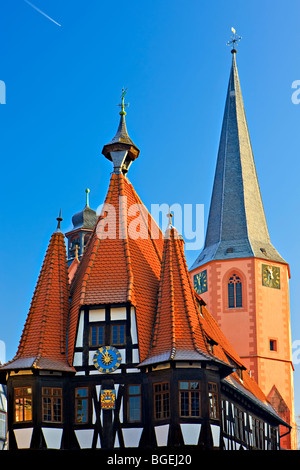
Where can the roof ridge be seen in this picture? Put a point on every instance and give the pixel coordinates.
(166, 251)
(46, 304)
(34, 299)
(98, 226)
(185, 275)
(138, 199)
(130, 292)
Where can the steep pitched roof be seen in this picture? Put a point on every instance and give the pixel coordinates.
(121, 262)
(236, 219)
(178, 332)
(43, 341)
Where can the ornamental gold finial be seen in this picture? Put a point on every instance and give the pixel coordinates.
(123, 105)
(233, 41)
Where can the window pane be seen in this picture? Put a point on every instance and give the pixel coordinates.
(94, 336)
(100, 335)
(161, 400)
(52, 404)
(82, 411)
(184, 403)
(134, 408)
(184, 385)
(57, 409)
(195, 385)
(23, 404)
(115, 334)
(165, 405)
(231, 295)
(134, 389)
(158, 405)
(238, 288)
(2, 425)
(81, 405)
(195, 404)
(81, 392)
(118, 334)
(46, 409)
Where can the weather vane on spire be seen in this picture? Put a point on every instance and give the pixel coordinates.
(123, 105)
(234, 39)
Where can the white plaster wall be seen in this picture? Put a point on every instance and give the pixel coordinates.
(23, 437)
(97, 315)
(52, 437)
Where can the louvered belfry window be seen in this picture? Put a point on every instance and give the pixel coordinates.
(235, 292)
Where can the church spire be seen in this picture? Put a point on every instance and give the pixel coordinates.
(121, 150)
(237, 226)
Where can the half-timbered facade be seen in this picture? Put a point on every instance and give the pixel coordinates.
(123, 353)
(3, 413)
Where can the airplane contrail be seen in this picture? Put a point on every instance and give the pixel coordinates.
(42, 13)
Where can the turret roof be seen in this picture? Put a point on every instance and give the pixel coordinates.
(43, 341)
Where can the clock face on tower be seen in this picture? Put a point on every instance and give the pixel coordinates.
(200, 282)
(107, 359)
(271, 276)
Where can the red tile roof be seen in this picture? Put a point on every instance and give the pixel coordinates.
(118, 266)
(177, 330)
(43, 341)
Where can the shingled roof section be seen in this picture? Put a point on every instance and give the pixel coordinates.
(178, 333)
(122, 261)
(43, 341)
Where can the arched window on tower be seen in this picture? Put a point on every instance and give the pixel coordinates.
(235, 292)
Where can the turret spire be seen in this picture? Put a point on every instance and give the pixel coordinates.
(121, 150)
(59, 220)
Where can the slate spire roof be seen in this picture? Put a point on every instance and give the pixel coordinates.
(237, 226)
(43, 341)
(121, 150)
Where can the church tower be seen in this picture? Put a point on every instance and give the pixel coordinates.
(240, 275)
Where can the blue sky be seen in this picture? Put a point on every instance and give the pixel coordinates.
(63, 84)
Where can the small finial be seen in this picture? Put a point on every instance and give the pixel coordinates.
(234, 39)
(123, 105)
(170, 215)
(87, 196)
(76, 252)
(59, 220)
